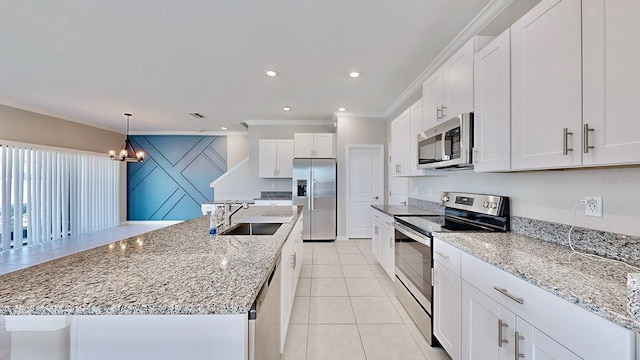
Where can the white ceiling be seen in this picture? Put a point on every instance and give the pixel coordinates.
(91, 61)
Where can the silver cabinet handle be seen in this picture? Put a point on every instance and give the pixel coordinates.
(438, 110)
(518, 338)
(442, 112)
(443, 255)
(585, 138)
(501, 324)
(506, 293)
(375, 230)
(565, 141)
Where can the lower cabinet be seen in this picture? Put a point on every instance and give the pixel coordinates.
(490, 331)
(446, 309)
(488, 313)
(290, 265)
(383, 242)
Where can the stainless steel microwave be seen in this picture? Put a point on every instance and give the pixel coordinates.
(448, 144)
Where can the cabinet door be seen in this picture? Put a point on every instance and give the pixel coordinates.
(268, 158)
(387, 249)
(376, 236)
(546, 84)
(487, 327)
(286, 298)
(415, 114)
(446, 309)
(303, 145)
(458, 82)
(611, 78)
(400, 148)
(285, 158)
(432, 100)
(492, 117)
(536, 345)
(324, 145)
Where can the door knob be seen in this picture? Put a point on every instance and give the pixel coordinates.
(375, 197)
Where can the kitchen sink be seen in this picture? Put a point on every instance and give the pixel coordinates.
(253, 229)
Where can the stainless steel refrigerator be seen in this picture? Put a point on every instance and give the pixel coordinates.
(314, 187)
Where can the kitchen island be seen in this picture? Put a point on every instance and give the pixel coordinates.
(130, 299)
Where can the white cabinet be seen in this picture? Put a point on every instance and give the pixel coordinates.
(490, 331)
(611, 77)
(449, 91)
(383, 243)
(490, 294)
(275, 158)
(415, 114)
(404, 145)
(400, 147)
(315, 145)
(290, 265)
(492, 99)
(486, 327)
(447, 297)
(546, 77)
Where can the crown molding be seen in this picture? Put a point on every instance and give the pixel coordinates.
(190, 132)
(289, 122)
(486, 15)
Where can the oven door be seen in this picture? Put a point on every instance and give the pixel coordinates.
(413, 263)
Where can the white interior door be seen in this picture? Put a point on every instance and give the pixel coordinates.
(365, 186)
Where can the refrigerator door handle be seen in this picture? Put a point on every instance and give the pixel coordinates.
(312, 191)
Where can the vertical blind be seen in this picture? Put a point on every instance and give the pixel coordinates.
(48, 194)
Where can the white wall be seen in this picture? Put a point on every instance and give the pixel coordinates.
(355, 130)
(237, 149)
(550, 195)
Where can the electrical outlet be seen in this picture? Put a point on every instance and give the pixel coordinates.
(593, 207)
(273, 186)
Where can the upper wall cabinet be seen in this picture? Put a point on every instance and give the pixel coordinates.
(276, 158)
(315, 145)
(404, 145)
(546, 84)
(611, 81)
(449, 91)
(400, 147)
(492, 99)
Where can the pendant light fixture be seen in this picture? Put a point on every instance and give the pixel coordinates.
(127, 152)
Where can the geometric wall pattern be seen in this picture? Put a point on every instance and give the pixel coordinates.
(173, 180)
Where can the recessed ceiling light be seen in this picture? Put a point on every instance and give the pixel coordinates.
(354, 74)
(286, 108)
(223, 128)
(271, 73)
(342, 109)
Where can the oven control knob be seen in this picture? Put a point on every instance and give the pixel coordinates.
(485, 204)
(494, 205)
(445, 198)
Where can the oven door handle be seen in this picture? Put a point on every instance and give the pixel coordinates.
(412, 234)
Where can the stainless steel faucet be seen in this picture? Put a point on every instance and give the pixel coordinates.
(228, 212)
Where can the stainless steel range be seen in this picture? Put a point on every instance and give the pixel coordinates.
(414, 255)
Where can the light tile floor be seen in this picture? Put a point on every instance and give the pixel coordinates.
(345, 308)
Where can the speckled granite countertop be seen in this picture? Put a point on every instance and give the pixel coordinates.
(597, 286)
(400, 210)
(180, 269)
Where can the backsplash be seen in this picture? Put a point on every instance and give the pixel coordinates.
(285, 195)
(427, 205)
(608, 244)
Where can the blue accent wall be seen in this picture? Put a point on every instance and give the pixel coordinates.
(174, 178)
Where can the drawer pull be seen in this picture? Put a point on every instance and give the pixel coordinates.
(501, 325)
(504, 292)
(443, 255)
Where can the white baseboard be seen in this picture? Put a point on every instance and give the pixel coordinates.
(341, 238)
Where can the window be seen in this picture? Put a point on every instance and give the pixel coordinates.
(48, 193)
